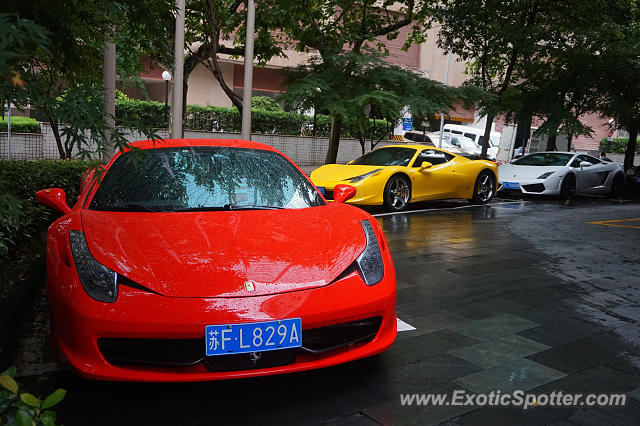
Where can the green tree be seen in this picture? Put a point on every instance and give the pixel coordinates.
(215, 28)
(332, 29)
(538, 57)
(372, 85)
(265, 103)
(619, 81)
(65, 79)
(19, 39)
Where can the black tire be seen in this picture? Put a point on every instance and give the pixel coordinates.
(617, 185)
(485, 188)
(397, 193)
(568, 187)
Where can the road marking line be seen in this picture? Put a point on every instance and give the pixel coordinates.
(403, 326)
(446, 208)
(615, 222)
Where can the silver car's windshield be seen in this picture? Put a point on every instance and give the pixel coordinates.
(544, 159)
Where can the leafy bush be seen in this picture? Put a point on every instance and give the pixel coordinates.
(22, 408)
(22, 179)
(616, 146)
(20, 125)
(149, 113)
(220, 119)
(265, 103)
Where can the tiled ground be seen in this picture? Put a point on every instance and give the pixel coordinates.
(521, 296)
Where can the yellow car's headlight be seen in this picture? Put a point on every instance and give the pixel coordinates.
(361, 177)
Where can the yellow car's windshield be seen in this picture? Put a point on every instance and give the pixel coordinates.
(392, 156)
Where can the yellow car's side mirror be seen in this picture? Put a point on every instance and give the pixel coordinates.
(425, 165)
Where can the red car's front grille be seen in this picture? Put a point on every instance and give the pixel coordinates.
(181, 352)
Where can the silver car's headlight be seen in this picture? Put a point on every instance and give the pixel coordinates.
(545, 175)
(370, 262)
(100, 282)
(364, 176)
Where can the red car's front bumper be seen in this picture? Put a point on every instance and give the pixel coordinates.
(78, 322)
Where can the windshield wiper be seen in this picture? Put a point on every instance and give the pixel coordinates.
(227, 207)
(251, 207)
(201, 209)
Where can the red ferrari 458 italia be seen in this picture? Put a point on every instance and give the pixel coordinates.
(213, 259)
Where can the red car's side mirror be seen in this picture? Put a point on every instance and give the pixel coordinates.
(342, 193)
(54, 198)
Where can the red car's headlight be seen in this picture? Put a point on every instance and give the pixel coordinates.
(370, 263)
(100, 282)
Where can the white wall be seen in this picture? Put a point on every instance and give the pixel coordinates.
(303, 150)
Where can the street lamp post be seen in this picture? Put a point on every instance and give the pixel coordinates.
(166, 76)
(248, 72)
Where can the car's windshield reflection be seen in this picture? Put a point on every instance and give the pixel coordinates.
(203, 179)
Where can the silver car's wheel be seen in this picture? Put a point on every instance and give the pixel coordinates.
(568, 187)
(485, 188)
(617, 185)
(397, 193)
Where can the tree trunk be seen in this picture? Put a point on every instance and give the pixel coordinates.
(631, 149)
(487, 136)
(551, 142)
(56, 135)
(569, 140)
(334, 139)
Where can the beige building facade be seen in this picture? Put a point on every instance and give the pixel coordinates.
(427, 58)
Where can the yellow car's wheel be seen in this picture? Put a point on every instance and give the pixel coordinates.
(397, 193)
(485, 188)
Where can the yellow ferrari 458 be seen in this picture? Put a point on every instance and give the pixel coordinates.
(397, 175)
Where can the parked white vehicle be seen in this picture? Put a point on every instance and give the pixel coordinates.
(561, 173)
(453, 143)
(476, 134)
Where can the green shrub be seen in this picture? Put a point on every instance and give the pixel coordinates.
(20, 125)
(616, 146)
(149, 113)
(22, 408)
(265, 103)
(22, 179)
(220, 119)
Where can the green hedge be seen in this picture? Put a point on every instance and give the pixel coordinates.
(22, 236)
(22, 179)
(266, 103)
(617, 146)
(20, 125)
(220, 119)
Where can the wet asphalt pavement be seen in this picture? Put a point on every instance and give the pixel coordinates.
(517, 295)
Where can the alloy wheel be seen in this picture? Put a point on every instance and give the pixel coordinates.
(484, 188)
(398, 193)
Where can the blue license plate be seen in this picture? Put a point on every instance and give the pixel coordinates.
(638, 180)
(253, 337)
(321, 189)
(511, 185)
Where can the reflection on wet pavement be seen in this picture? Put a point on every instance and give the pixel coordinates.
(520, 296)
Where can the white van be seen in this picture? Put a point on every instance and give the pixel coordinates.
(476, 134)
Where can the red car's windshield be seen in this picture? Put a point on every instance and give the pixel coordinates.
(203, 178)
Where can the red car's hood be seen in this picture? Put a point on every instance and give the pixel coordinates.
(214, 254)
